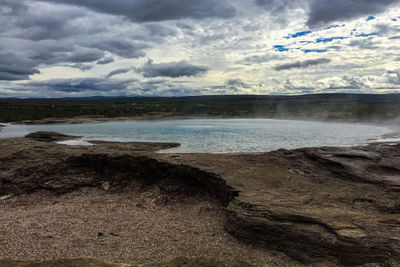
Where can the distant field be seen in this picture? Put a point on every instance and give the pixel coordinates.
(349, 107)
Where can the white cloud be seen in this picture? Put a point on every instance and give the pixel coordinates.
(63, 41)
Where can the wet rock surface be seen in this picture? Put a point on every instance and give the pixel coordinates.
(338, 206)
(44, 136)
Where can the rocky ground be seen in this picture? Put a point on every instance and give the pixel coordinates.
(123, 203)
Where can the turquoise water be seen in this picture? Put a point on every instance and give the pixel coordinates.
(218, 135)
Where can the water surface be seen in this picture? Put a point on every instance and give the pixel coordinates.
(218, 135)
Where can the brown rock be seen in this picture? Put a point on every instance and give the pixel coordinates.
(49, 136)
(318, 205)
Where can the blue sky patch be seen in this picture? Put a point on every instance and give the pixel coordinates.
(281, 48)
(370, 18)
(334, 26)
(298, 34)
(366, 34)
(327, 40)
(314, 50)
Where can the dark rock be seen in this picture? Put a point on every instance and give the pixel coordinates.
(50, 136)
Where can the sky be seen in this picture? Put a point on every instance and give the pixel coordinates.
(78, 48)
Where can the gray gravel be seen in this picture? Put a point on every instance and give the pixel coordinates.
(142, 227)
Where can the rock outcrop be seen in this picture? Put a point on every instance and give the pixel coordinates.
(318, 205)
(44, 136)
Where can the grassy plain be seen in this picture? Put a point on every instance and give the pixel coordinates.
(347, 107)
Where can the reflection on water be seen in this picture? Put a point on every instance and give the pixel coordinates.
(218, 136)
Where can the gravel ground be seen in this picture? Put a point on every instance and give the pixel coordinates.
(142, 227)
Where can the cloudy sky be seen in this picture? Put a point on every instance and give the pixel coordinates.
(68, 48)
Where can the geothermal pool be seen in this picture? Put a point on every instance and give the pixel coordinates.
(217, 135)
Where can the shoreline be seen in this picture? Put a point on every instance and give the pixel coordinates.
(100, 119)
(172, 116)
(392, 131)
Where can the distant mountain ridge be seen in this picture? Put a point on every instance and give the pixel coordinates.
(327, 96)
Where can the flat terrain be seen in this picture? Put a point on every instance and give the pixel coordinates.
(124, 203)
(343, 107)
(120, 228)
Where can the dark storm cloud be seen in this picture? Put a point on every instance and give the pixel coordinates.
(123, 47)
(37, 21)
(326, 11)
(82, 67)
(85, 55)
(12, 7)
(258, 59)
(165, 87)
(172, 69)
(105, 61)
(36, 33)
(157, 10)
(79, 85)
(279, 6)
(156, 29)
(15, 74)
(118, 71)
(302, 64)
(13, 67)
(49, 52)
